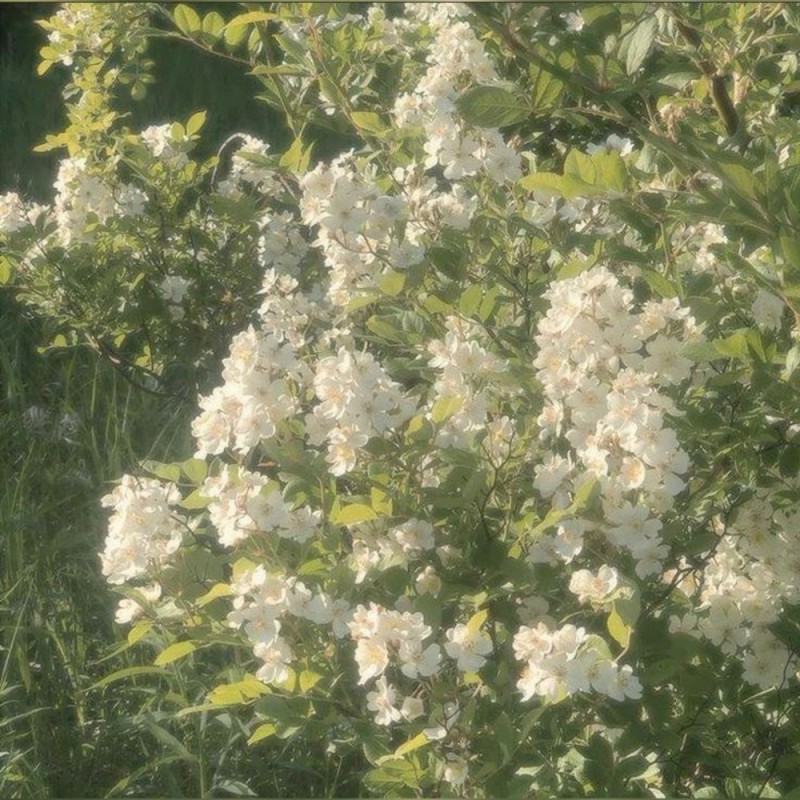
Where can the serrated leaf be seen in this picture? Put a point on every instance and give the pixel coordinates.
(239, 692)
(167, 472)
(414, 743)
(174, 652)
(194, 500)
(701, 351)
(213, 23)
(381, 502)
(195, 469)
(251, 17)
(567, 186)
(492, 107)
(617, 628)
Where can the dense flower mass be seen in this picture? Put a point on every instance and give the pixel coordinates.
(505, 434)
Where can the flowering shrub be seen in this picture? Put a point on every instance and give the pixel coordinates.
(499, 483)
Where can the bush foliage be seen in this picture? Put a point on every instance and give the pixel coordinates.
(496, 494)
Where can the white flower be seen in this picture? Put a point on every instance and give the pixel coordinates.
(468, 647)
(455, 770)
(382, 701)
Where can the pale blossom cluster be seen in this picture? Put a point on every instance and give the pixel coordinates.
(457, 59)
(753, 573)
(376, 547)
(144, 531)
(13, 213)
(249, 167)
(245, 503)
(130, 609)
(566, 661)
(83, 197)
(163, 144)
(358, 400)
(386, 639)
(262, 599)
(261, 379)
(602, 366)
(466, 368)
(360, 226)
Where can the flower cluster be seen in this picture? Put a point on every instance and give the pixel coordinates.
(144, 531)
(601, 367)
(567, 661)
(358, 401)
(261, 379)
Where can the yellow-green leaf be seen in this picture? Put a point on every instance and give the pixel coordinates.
(174, 652)
(193, 125)
(187, 19)
(381, 502)
(216, 591)
(617, 628)
(445, 407)
(139, 630)
(308, 679)
(477, 619)
(352, 514)
(414, 743)
(262, 732)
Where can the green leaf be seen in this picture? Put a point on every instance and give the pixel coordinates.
(128, 672)
(352, 514)
(477, 619)
(445, 407)
(195, 469)
(251, 17)
(262, 732)
(381, 502)
(240, 692)
(296, 158)
(308, 680)
(369, 122)
(392, 283)
(213, 23)
(546, 89)
(214, 593)
(414, 743)
(567, 186)
(174, 652)
(139, 631)
(195, 122)
(734, 346)
(640, 43)
(492, 107)
(187, 19)
(194, 500)
(617, 627)
(167, 472)
(470, 300)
